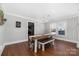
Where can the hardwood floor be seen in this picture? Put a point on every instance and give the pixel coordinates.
(61, 48)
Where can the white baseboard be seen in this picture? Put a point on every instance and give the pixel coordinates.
(77, 45)
(15, 42)
(3, 46)
(1, 49)
(67, 40)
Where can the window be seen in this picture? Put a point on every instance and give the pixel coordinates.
(61, 28)
(58, 27)
(53, 27)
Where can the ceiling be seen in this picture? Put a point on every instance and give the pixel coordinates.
(44, 11)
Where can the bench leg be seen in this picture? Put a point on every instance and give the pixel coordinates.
(43, 48)
(35, 46)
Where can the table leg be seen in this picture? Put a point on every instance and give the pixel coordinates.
(43, 47)
(35, 48)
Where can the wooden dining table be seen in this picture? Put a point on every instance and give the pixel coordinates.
(35, 38)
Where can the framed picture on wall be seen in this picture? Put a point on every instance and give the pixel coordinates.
(18, 24)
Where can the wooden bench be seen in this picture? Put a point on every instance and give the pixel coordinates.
(44, 42)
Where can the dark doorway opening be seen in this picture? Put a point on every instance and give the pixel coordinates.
(30, 28)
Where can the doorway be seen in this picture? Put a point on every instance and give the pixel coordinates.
(30, 28)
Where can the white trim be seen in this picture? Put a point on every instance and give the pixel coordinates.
(13, 14)
(29, 18)
(77, 45)
(15, 42)
(67, 40)
(1, 49)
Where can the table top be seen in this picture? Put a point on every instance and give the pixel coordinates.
(37, 37)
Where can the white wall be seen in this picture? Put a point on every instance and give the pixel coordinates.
(78, 37)
(39, 28)
(13, 34)
(78, 31)
(71, 27)
(1, 34)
